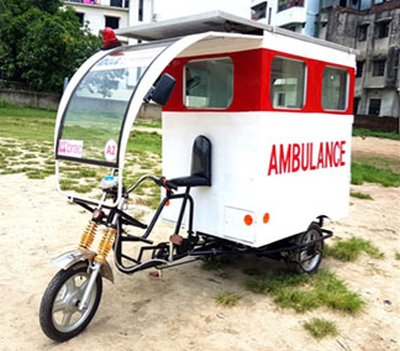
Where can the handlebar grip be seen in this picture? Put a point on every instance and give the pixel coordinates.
(170, 185)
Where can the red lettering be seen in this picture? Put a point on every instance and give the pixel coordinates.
(305, 156)
(320, 163)
(342, 152)
(336, 159)
(295, 157)
(273, 166)
(284, 159)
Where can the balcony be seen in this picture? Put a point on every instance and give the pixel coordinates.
(111, 3)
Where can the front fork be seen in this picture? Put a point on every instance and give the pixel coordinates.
(104, 248)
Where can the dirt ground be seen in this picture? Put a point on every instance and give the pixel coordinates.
(178, 312)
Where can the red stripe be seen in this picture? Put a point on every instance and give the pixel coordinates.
(252, 82)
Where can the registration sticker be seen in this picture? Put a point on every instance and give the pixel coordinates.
(71, 148)
(110, 150)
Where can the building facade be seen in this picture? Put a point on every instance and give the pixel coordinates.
(375, 33)
(98, 14)
(296, 15)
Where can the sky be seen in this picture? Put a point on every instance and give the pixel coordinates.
(166, 9)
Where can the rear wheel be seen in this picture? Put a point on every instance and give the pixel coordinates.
(308, 258)
(60, 317)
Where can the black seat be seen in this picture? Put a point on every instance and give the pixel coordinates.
(200, 174)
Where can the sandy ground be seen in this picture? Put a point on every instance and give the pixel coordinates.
(178, 312)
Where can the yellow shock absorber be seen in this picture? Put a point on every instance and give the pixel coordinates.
(88, 235)
(105, 244)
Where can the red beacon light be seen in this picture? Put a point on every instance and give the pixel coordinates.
(110, 40)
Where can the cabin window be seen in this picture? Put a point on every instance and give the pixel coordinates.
(287, 83)
(208, 83)
(334, 89)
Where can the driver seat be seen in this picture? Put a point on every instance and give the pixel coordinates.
(200, 173)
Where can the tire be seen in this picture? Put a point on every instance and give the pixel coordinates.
(308, 259)
(66, 289)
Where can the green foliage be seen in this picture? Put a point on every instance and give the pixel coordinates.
(228, 299)
(351, 249)
(42, 43)
(320, 328)
(363, 132)
(361, 173)
(306, 292)
(361, 196)
(397, 256)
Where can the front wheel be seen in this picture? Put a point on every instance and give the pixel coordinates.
(60, 317)
(308, 258)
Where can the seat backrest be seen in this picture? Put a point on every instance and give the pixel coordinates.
(201, 158)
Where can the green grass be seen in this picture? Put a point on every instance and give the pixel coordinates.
(27, 124)
(361, 173)
(360, 195)
(307, 292)
(397, 256)
(363, 132)
(228, 299)
(320, 328)
(350, 250)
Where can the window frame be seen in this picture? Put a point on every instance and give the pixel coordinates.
(347, 102)
(382, 29)
(114, 18)
(378, 67)
(362, 32)
(305, 86)
(184, 95)
(369, 107)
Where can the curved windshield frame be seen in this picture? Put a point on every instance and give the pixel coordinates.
(92, 124)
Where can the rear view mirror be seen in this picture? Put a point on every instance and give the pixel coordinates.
(162, 90)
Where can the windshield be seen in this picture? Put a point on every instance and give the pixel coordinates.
(92, 122)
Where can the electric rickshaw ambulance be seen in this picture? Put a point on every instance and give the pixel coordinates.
(256, 140)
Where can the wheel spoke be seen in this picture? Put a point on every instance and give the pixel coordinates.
(70, 286)
(60, 305)
(66, 319)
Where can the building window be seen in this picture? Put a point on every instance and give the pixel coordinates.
(359, 69)
(287, 4)
(287, 83)
(356, 104)
(382, 29)
(362, 32)
(81, 17)
(374, 108)
(334, 89)
(112, 22)
(378, 68)
(259, 11)
(209, 83)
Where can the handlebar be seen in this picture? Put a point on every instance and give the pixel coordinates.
(160, 181)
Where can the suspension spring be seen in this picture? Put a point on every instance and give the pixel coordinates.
(88, 235)
(105, 244)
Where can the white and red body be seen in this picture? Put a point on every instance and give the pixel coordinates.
(282, 167)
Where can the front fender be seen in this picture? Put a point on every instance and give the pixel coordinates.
(68, 259)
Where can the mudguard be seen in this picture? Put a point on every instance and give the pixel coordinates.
(68, 259)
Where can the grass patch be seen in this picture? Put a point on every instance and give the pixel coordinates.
(320, 328)
(148, 123)
(364, 132)
(361, 173)
(227, 298)
(27, 124)
(350, 250)
(306, 292)
(397, 256)
(361, 196)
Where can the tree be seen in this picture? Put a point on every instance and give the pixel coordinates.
(42, 42)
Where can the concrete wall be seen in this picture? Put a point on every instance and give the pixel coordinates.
(30, 99)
